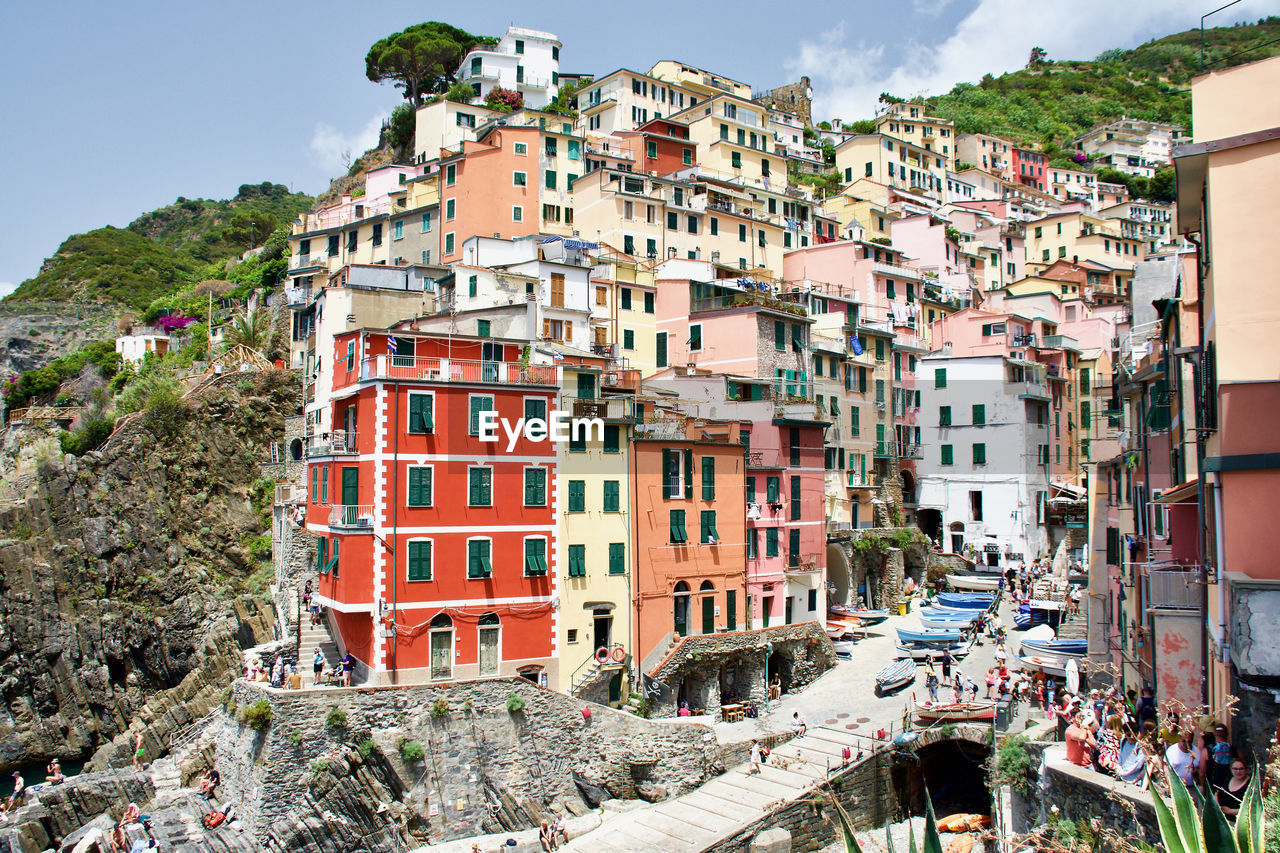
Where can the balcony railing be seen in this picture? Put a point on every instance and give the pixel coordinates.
(897, 271)
(351, 516)
(303, 261)
(605, 408)
(533, 83)
(1059, 342)
(1029, 390)
(456, 370)
(297, 295)
(338, 443)
(627, 379)
(765, 459)
(1174, 590)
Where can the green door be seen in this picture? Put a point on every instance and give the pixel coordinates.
(708, 614)
(350, 493)
(682, 615)
(615, 688)
(790, 601)
(586, 386)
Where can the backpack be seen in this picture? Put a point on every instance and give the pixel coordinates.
(214, 819)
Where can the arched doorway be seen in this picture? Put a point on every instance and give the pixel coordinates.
(956, 530)
(489, 634)
(707, 592)
(441, 633)
(295, 450)
(838, 574)
(908, 486)
(953, 771)
(681, 609)
(930, 521)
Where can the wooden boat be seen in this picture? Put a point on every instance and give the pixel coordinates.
(837, 630)
(844, 648)
(1052, 650)
(1049, 666)
(896, 675)
(966, 600)
(955, 712)
(862, 614)
(946, 622)
(929, 635)
(925, 651)
(974, 583)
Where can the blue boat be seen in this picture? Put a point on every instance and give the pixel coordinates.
(928, 635)
(965, 600)
(1057, 647)
(896, 675)
(958, 614)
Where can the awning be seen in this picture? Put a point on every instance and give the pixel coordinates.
(1179, 493)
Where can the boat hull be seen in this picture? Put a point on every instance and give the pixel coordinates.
(966, 601)
(945, 622)
(895, 676)
(974, 584)
(1056, 667)
(955, 712)
(931, 636)
(866, 617)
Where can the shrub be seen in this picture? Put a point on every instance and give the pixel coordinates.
(503, 100)
(515, 703)
(366, 748)
(336, 720)
(440, 707)
(257, 716)
(92, 434)
(259, 547)
(319, 766)
(295, 738)
(412, 751)
(1011, 763)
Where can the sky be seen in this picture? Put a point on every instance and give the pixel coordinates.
(114, 109)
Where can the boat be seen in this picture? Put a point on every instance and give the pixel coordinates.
(966, 600)
(1031, 613)
(974, 583)
(946, 622)
(925, 651)
(844, 648)
(896, 675)
(955, 712)
(958, 614)
(1049, 666)
(1053, 650)
(862, 614)
(929, 635)
(835, 629)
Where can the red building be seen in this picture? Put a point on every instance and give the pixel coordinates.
(1028, 168)
(662, 146)
(436, 551)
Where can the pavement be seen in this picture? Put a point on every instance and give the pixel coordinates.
(840, 709)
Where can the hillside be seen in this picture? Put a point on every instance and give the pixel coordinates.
(211, 230)
(1058, 100)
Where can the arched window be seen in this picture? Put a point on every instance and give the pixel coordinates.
(707, 586)
(441, 641)
(489, 635)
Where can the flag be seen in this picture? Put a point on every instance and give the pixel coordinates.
(391, 346)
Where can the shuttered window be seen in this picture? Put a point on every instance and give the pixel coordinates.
(419, 486)
(678, 533)
(535, 486)
(535, 557)
(577, 496)
(478, 559)
(420, 561)
(611, 490)
(480, 487)
(708, 478)
(577, 561)
(617, 558)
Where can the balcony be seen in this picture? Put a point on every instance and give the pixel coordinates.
(338, 443)
(1174, 590)
(860, 481)
(768, 460)
(621, 380)
(910, 451)
(605, 408)
(799, 410)
(1029, 391)
(802, 564)
(897, 271)
(351, 516)
(1059, 342)
(884, 450)
(296, 296)
(456, 370)
(303, 262)
(533, 83)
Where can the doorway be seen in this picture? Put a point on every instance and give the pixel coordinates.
(586, 386)
(602, 624)
(441, 648)
(489, 644)
(708, 591)
(681, 609)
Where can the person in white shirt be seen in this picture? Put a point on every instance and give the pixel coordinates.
(1183, 759)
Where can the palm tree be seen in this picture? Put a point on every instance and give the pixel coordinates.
(249, 329)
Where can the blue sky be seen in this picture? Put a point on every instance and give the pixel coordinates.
(112, 110)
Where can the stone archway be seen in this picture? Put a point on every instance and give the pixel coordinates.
(839, 574)
(952, 767)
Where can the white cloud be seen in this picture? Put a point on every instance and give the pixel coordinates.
(7, 287)
(333, 150)
(995, 37)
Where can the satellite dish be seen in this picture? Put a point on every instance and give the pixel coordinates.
(1073, 676)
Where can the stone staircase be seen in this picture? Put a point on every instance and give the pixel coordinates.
(726, 804)
(311, 637)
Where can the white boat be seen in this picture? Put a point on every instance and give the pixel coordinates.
(1049, 666)
(974, 583)
(921, 651)
(946, 623)
(898, 674)
(837, 629)
(955, 711)
(844, 648)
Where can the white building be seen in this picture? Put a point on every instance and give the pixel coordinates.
(525, 61)
(134, 348)
(445, 125)
(984, 469)
(1133, 146)
(625, 99)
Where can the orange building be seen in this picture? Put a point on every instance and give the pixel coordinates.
(688, 493)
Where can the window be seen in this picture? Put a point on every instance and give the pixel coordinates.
(398, 229)
(478, 558)
(626, 298)
(473, 286)
(939, 377)
(708, 478)
(535, 408)
(742, 233)
(535, 486)
(612, 438)
(944, 416)
(707, 533)
(979, 414)
(779, 335)
(519, 46)
(678, 533)
(617, 558)
(448, 244)
(771, 541)
(979, 454)
(451, 172)
(975, 506)
(550, 182)
(795, 498)
(753, 544)
(577, 561)
(426, 222)
(478, 403)
(420, 485)
(521, 149)
(575, 149)
(324, 484)
(577, 496)
(535, 557)
(577, 441)
(947, 455)
(479, 487)
(793, 553)
(855, 426)
(773, 490)
(649, 301)
(677, 473)
(695, 337)
(736, 160)
(520, 179)
(420, 560)
(517, 214)
(686, 156)
(660, 349)
(612, 502)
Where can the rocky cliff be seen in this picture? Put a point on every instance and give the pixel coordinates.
(127, 585)
(32, 334)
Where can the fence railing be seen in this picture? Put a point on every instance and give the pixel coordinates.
(338, 443)
(456, 370)
(351, 516)
(1174, 590)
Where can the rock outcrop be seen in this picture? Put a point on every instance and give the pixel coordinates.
(126, 580)
(33, 334)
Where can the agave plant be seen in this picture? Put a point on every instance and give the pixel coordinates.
(932, 839)
(1183, 830)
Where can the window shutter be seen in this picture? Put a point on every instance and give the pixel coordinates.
(708, 478)
(617, 558)
(795, 498)
(611, 503)
(773, 489)
(667, 484)
(688, 473)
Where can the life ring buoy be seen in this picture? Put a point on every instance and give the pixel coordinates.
(619, 654)
(602, 654)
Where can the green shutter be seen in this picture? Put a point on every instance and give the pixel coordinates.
(979, 414)
(480, 487)
(779, 335)
(577, 561)
(322, 555)
(940, 377)
(708, 478)
(979, 454)
(577, 496)
(336, 545)
(678, 533)
(708, 527)
(419, 561)
(617, 558)
(751, 490)
(535, 487)
(478, 565)
(773, 490)
(419, 486)
(771, 542)
(731, 609)
(611, 496)
(688, 473)
(668, 486)
(795, 498)
(947, 454)
(535, 557)
(315, 482)
(944, 416)
(612, 438)
(661, 349)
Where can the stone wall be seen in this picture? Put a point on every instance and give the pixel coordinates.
(707, 663)
(884, 571)
(792, 98)
(486, 770)
(293, 550)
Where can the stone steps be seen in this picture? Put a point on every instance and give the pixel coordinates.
(725, 804)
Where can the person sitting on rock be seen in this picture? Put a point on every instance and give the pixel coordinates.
(209, 783)
(54, 773)
(131, 814)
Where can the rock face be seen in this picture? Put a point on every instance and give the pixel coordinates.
(34, 333)
(125, 574)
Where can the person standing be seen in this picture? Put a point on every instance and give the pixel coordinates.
(755, 758)
(1218, 761)
(317, 666)
(1183, 759)
(139, 750)
(15, 799)
(348, 667)
(946, 666)
(1230, 794)
(931, 683)
(991, 680)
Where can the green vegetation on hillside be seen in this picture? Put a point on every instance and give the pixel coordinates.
(421, 59)
(213, 230)
(110, 265)
(1060, 100)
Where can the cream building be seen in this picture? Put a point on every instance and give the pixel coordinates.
(891, 161)
(525, 61)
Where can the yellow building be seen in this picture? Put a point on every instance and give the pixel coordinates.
(1077, 237)
(702, 83)
(910, 123)
(891, 161)
(595, 549)
(853, 207)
